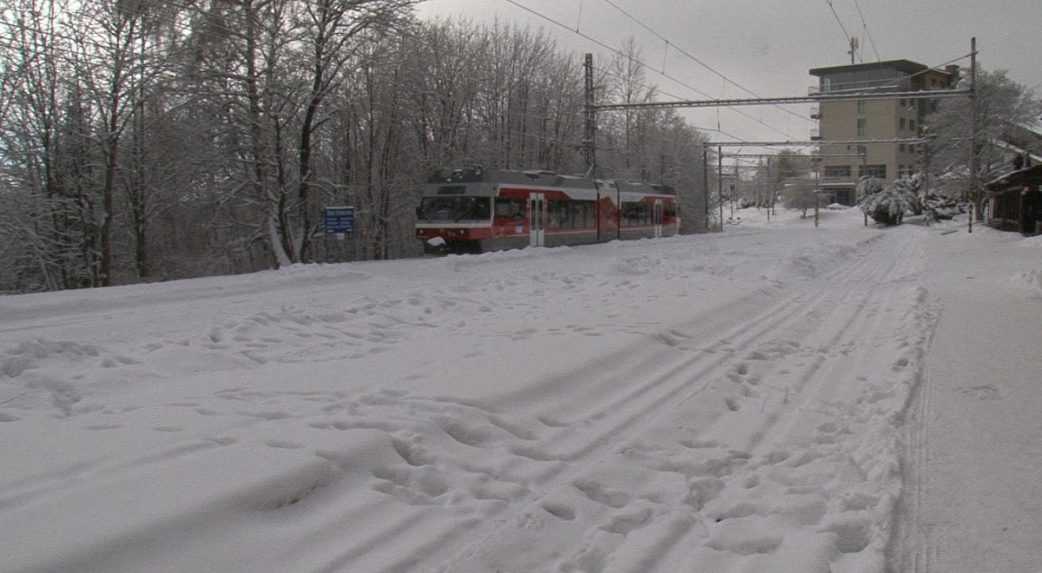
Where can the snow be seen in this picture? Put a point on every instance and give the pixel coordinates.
(726, 402)
(973, 431)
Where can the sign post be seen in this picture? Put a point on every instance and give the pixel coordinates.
(338, 221)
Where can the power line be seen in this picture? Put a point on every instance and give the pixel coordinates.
(694, 58)
(633, 59)
(867, 33)
(676, 97)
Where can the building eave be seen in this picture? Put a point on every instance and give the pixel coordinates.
(907, 66)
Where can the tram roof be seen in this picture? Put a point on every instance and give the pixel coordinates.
(542, 178)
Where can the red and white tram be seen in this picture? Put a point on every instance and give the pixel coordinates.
(476, 210)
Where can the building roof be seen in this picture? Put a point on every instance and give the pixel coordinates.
(1015, 179)
(907, 66)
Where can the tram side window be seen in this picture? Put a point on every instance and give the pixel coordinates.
(670, 210)
(560, 216)
(510, 208)
(635, 214)
(583, 215)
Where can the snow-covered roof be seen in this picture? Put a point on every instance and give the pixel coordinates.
(1023, 176)
(1034, 126)
(1035, 157)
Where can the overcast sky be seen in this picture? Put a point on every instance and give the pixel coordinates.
(768, 46)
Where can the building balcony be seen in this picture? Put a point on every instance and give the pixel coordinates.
(848, 181)
(815, 134)
(813, 90)
(815, 112)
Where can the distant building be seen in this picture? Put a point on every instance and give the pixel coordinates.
(874, 119)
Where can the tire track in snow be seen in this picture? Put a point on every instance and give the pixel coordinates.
(661, 389)
(596, 450)
(910, 547)
(810, 379)
(849, 326)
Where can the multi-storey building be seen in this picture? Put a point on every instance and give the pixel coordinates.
(872, 119)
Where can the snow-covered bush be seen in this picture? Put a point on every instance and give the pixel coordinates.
(889, 204)
(869, 186)
(910, 187)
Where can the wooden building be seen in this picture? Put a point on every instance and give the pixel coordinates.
(1016, 201)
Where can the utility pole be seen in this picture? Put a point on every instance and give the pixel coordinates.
(720, 183)
(864, 167)
(769, 190)
(926, 178)
(734, 189)
(817, 192)
(705, 182)
(590, 127)
(973, 130)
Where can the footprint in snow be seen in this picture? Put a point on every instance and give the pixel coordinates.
(559, 510)
(283, 445)
(99, 427)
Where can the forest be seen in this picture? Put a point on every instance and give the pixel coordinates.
(145, 141)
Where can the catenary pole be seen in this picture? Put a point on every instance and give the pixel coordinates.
(734, 189)
(769, 189)
(590, 116)
(720, 183)
(705, 183)
(973, 130)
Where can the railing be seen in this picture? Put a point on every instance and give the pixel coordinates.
(832, 181)
(815, 112)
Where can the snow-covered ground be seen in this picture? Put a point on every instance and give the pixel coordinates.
(728, 402)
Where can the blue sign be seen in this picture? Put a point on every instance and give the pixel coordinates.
(339, 219)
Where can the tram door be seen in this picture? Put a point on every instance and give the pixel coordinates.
(656, 215)
(536, 220)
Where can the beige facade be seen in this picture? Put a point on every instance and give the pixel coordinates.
(874, 119)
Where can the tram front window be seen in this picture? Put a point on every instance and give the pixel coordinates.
(455, 209)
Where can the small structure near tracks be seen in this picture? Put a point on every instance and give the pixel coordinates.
(1016, 201)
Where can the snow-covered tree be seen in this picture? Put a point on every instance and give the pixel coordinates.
(800, 194)
(1000, 102)
(889, 204)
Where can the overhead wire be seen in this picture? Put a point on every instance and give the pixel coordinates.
(634, 59)
(694, 58)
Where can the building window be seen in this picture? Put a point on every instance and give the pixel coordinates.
(911, 124)
(861, 107)
(878, 171)
(861, 127)
(837, 171)
(902, 103)
(902, 123)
